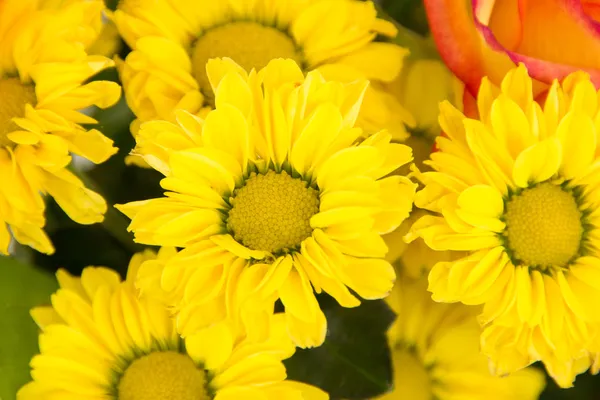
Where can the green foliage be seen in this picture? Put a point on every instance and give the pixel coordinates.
(21, 288)
(354, 362)
(409, 13)
(586, 387)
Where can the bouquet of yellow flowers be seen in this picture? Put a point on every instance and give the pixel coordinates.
(299, 199)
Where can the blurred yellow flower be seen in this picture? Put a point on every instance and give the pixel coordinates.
(435, 352)
(172, 42)
(421, 87)
(271, 197)
(101, 341)
(43, 83)
(518, 190)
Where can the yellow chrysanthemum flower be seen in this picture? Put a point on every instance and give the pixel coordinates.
(43, 74)
(271, 193)
(435, 353)
(101, 341)
(518, 190)
(172, 42)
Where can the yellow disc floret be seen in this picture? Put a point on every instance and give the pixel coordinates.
(14, 95)
(249, 44)
(272, 212)
(163, 375)
(543, 226)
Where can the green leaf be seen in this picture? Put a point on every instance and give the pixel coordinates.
(21, 288)
(420, 46)
(111, 4)
(354, 362)
(410, 13)
(80, 246)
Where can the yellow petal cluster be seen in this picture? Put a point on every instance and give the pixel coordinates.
(173, 40)
(44, 73)
(277, 144)
(101, 340)
(517, 189)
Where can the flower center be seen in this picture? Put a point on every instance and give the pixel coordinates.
(14, 95)
(249, 44)
(411, 378)
(272, 212)
(163, 375)
(543, 226)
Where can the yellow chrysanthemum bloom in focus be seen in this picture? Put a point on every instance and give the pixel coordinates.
(43, 74)
(100, 340)
(435, 353)
(519, 190)
(272, 196)
(172, 42)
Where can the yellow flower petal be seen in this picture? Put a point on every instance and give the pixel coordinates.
(236, 393)
(348, 162)
(204, 164)
(227, 242)
(386, 71)
(518, 86)
(324, 124)
(510, 124)
(81, 204)
(233, 89)
(307, 334)
(226, 129)
(308, 392)
(297, 297)
(211, 347)
(482, 200)
(94, 278)
(538, 163)
(577, 135)
(254, 370)
(375, 284)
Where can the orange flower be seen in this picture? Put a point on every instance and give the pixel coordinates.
(553, 38)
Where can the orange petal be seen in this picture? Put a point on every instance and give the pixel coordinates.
(461, 46)
(554, 37)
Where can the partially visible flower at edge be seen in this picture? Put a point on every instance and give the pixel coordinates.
(552, 38)
(518, 190)
(166, 70)
(43, 74)
(100, 340)
(436, 355)
(422, 85)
